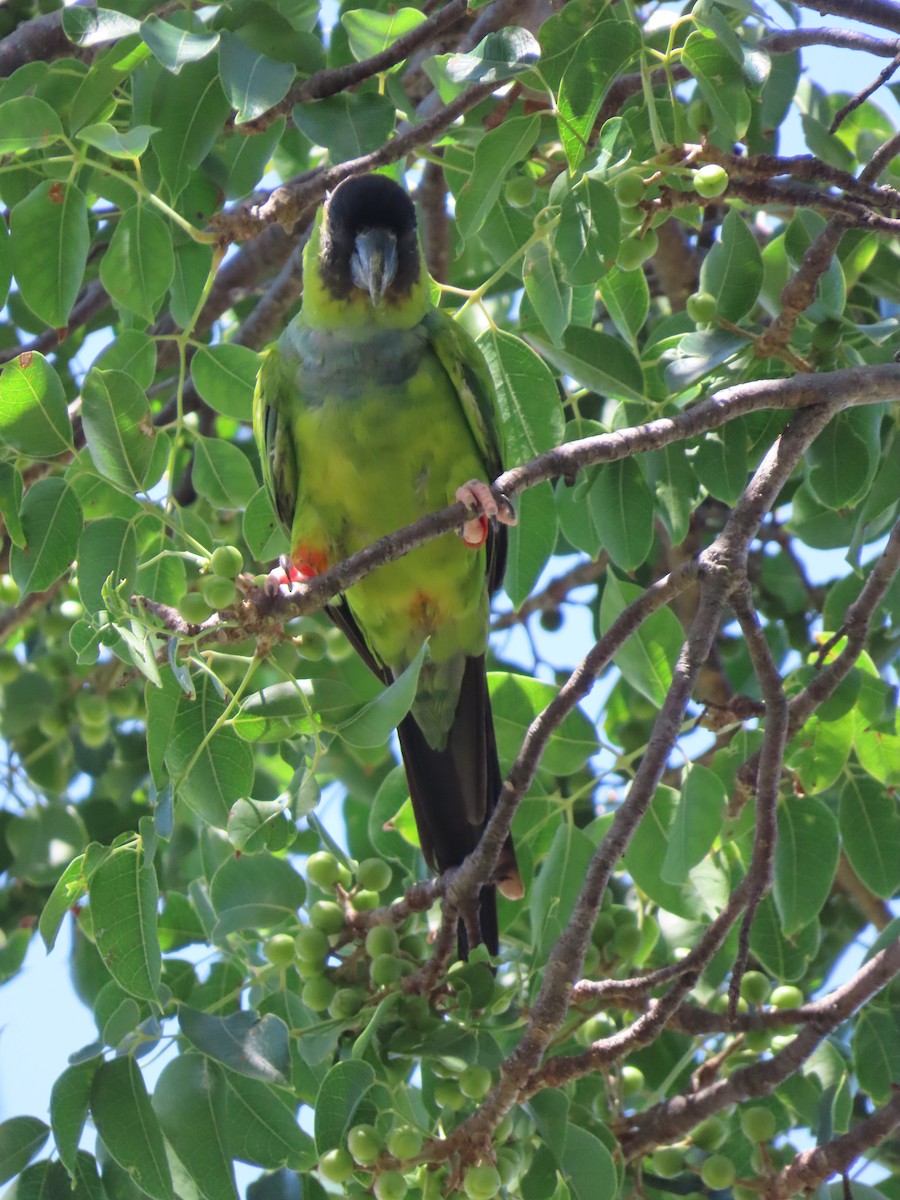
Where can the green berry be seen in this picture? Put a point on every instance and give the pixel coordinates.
(364, 1144)
(194, 608)
(327, 916)
(9, 667)
(323, 869)
(312, 646)
(710, 181)
(519, 191)
(629, 189)
(786, 996)
(385, 970)
(551, 619)
(92, 709)
(381, 939)
(632, 1081)
(667, 1161)
(700, 116)
(475, 1082)
(709, 1134)
(312, 945)
(365, 901)
(404, 1142)
(9, 590)
(701, 308)
(509, 1164)
(336, 1166)
(390, 1185)
(826, 335)
(758, 1123)
(218, 592)
(718, 1171)
(226, 561)
(604, 929)
(627, 941)
(448, 1095)
(482, 1182)
(346, 1003)
(94, 736)
(318, 993)
(54, 722)
(374, 875)
(755, 987)
(123, 703)
(634, 251)
(279, 949)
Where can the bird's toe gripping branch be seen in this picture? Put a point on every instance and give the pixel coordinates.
(288, 575)
(479, 499)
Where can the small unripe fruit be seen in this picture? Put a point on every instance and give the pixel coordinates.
(700, 115)
(701, 307)
(709, 1134)
(632, 1081)
(634, 251)
(318, 994)
(94, 736)
(710, 181)
(226, 561)
(755, 987)
(551, 619)
(92, 709)
(311, 945)
(826, 335)
(374, 875)
(123, 703)
(336, 1166)
(519, 191)
(475, 1082)
(327, 916)
(218, 592)
(390, 1185)
(364, 901)
(627, 941)
(364, 1144)
(448, 1095)
(279, 949)
(718, 1172)
(381, 939)
(786, 996)
(667, 1161)
(404, 1142)
(758, 1123)
(323, 869)
(312, 646)
(629, 189)
(194, 608)
(604, 929)
(346, 1003)
(482, 1182)
(385, 970)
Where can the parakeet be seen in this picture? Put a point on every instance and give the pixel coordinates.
(373, 409)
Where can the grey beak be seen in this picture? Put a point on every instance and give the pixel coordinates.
(374, 262)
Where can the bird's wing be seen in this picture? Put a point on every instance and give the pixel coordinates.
(271, 426)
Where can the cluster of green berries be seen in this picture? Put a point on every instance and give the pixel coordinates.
(217, 588)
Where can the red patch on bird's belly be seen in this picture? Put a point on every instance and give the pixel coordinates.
(307, 562)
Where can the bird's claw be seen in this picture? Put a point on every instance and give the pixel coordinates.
(284, 579)
(479, 498)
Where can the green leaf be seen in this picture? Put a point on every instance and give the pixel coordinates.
(190, 112)
(210, 766)
(190, 1101)
(373, 724)
(139, 265)
(876, 1052)
(67, 891)
(501, 55)
(106, 547)
(130, 144)
(11, 490)
(627, 299)
(784, 957)
(844, 459)
(647, 658)
(27, 123)
(587, 236)
(870, 834)
(722, 463)
(623, 512)
(878, 753)
(550, 296)
(51, 523)
(721, 84)
(337, 1100)
(532, 416)
(242, 1041)
(69, 1102)
(124, 897)
(349, 124)
(674, 486)
(516, 701)
(256, 891)
(369, 32)
(21, 1138)
(193, 264)
(93, 26)
(531, 542)
(600, 56)
(119, 429)
(262, 528)
(222, 473)
(174, 47)
(556, 888)
(587, 1166)
(5, 266)
(262, 1128)
(293, 707)
(599, 361)
(133, 352)
(497, 151)
(806, 859)
(128, 1126)
(225, 376)
(733, 269)
(819, 752)
(49, 242)
(252, 82)
(34, 417)
(698, 820)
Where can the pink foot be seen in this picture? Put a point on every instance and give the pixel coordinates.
(478, 498)
(284, 578)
